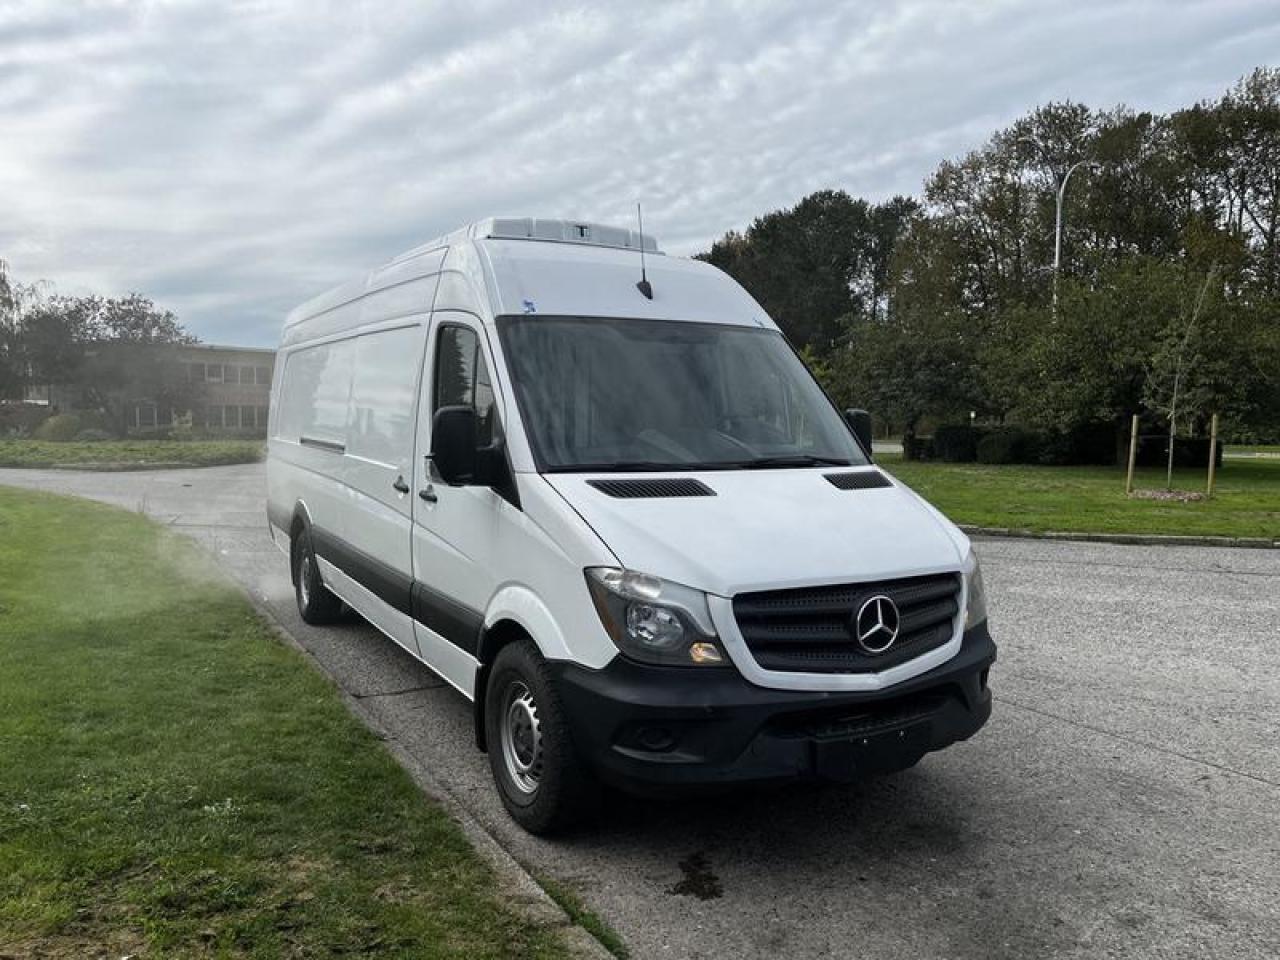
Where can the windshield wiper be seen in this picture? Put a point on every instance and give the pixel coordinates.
(625, 466)
(793, 460)
(652, 466)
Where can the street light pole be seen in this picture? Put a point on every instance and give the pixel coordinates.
(1057, 223)
(1057, 231)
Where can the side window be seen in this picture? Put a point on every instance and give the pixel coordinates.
(383, 395)
(317, 387)
(462, 379)
(455, 360)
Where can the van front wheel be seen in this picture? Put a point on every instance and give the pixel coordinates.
(316, 605)
(539, 777)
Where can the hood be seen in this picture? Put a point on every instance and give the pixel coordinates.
(768, 529)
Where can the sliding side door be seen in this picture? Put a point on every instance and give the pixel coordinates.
(375, 568)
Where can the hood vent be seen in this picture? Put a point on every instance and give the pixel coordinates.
(650, 487)
(866, 480)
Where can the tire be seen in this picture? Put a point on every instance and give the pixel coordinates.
(541, 780)
(316, 605)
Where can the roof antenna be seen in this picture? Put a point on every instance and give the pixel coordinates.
(643, 286)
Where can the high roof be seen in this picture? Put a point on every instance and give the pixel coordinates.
(540, 228)
(530, 265)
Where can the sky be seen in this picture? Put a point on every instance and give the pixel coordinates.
(231, 160)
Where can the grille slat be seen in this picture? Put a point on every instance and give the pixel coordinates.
(821, 600)
(812, 628)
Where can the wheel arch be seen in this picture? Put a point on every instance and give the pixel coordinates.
(514, 614)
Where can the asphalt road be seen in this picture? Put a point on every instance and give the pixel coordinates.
(1123, 801)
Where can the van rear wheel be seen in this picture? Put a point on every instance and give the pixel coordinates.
(316, 605)
(540, 779)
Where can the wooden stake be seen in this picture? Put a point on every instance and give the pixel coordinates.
(1133, 455)
(1213, 452)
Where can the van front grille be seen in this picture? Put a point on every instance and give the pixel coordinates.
(814, 629)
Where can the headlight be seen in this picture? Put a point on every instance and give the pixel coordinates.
(976, 612)
(653, 620)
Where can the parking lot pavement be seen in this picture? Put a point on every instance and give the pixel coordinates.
(1123, 801)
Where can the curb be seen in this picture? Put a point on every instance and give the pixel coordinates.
(516, 885)
(1133, 539)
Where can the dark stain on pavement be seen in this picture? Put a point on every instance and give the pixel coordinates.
(698, 880)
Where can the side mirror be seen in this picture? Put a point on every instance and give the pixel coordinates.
(453, 444)
(860, 422)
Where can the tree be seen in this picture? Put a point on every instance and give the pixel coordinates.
(43, 340)
(1172, 363)
(134, 319)
(11, 375)
(816, 264)
(52, 343)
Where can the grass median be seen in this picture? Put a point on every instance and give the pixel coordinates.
(1246, 501)
(176, 782)
(127, 454)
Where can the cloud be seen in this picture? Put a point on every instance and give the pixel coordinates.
(232, 160)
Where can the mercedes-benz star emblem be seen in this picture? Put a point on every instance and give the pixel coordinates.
(876, 625)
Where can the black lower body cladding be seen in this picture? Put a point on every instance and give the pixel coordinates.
(653, 729)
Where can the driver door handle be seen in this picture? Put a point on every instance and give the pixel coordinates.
(400, 486)
(428, 494)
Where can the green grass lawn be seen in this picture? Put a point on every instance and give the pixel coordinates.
(1252, 449)
(127, 454)
(1091, 499)
(176, 782)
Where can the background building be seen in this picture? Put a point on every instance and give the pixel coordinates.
(147, 388)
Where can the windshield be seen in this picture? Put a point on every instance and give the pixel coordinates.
(605, 394)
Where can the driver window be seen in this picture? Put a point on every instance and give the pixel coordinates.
(462, 379)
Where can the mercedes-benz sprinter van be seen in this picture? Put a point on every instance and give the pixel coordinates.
(620, 516)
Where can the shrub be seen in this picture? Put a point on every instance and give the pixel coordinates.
(94, 434)
(62, 426)
(1008, 445)
(1153, 451)
(956, 443)
(917, 448)
(1092, 444)
(19, 419)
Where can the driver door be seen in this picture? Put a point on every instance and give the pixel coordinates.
(456, 530)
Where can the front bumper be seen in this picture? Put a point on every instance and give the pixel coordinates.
(647, 728)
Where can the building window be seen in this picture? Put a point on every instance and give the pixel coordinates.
(195, 372)
(213, 418)
(247, 421)
(263, 376)
(213, 372)
(144, 416)
(262, 418)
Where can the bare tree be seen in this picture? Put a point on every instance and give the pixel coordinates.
(1167, 372)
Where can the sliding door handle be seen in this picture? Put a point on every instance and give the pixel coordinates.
(400, 486)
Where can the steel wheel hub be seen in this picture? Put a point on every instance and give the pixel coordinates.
(304, 579)
(522, 738)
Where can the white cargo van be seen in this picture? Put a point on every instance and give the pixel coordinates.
(620, 517)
